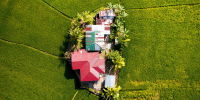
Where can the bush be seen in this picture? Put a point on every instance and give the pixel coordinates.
(117, 59)
(120, 32)
(112, 93)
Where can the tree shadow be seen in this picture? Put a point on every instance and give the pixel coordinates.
(65, 45)
(62, 50)
(69, 73)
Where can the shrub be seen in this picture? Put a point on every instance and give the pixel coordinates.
(117, 59)
(121, 32)
(112, 93)
(123, 39)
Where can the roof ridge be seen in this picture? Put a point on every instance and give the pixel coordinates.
(92, 75)
(80, 64)
(94, 60)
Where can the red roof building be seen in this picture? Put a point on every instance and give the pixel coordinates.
(89, 64)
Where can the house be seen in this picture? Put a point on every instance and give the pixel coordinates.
(89, 64)
(97, 37)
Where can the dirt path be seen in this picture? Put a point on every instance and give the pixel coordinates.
(57, 10)
(165, 6)
(31, 48)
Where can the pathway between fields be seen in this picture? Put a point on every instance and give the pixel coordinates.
(165, 6)
(31, 48)
(57, 10)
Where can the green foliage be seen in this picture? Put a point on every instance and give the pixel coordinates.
(117, 59)
(91, 90)
(123, 39)
(124, 14)
(76, 32)
(121, 32)
(78, 24)
(86, 17)
(118, 9)
(78, 36)
(110, 5)
(112, 92)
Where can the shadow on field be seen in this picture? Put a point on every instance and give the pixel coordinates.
(69, 73)
(65, 46)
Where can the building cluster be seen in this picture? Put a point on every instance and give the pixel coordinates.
(96, 39)
(97, 36)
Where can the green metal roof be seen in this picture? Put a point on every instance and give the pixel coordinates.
(90, 42)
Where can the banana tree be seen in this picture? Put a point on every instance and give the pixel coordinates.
(85, 17)
(124, 14)
(117, 59)
(125, 33)
(112, 93)
(77, 34)
(110, 6)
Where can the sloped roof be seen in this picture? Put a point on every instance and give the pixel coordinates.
(89, 64)
(96, 37)
(98, 28)
(100, 66)
(106, 13)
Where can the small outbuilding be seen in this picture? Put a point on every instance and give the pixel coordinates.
(105, 17)
(110, 81)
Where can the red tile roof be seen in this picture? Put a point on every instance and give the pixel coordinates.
(89, 64)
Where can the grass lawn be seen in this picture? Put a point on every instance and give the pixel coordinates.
(164, 53)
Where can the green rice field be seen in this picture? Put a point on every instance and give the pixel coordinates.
(162, 59)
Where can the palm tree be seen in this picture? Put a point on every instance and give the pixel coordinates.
(120, 8)
(112, 93)
(117, 59)
(110, 6)
(124, 14)
(125, 33)
(77, 33)
(85, 17)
